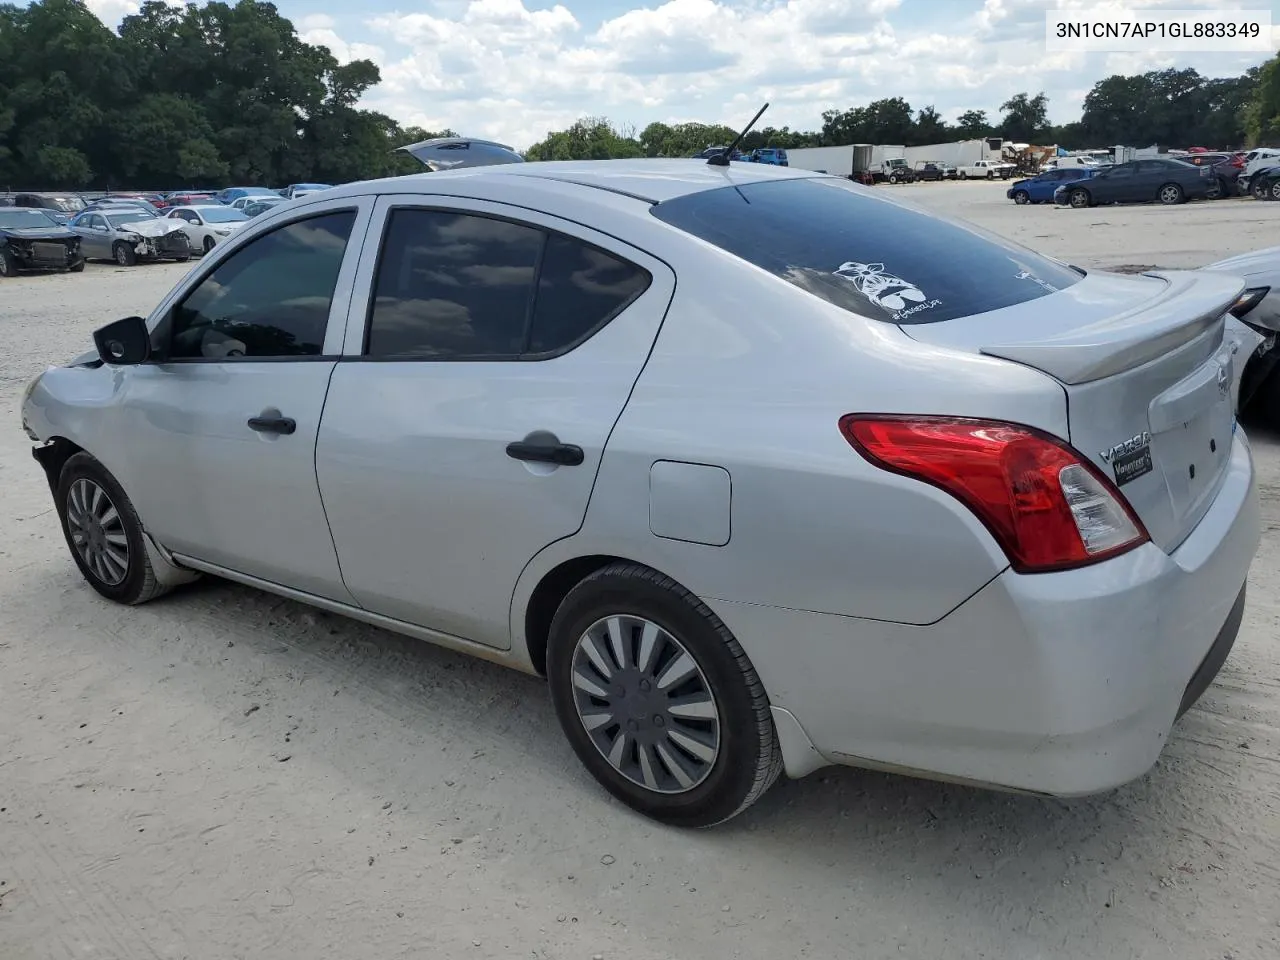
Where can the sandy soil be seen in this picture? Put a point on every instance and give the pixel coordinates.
(223, 774)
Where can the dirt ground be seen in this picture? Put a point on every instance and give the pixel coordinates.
(224, 774)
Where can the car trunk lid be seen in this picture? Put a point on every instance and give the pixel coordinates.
(1149, 376)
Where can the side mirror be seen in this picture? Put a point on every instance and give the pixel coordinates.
(125, 342)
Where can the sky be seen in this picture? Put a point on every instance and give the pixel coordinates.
(513, 70)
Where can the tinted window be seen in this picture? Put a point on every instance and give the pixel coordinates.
(268, 299)
(1124, 170)
(452, 285)
(859, 250)
(580, 288)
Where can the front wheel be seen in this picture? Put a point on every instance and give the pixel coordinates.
(124, 254)
(1170, 194)
(77, 267)
(658, 700)
(1021, 197)
(8, 264)
(1273, 190)
(1079, 199)
(208, 244)
(990, 175)
(963, 175)
(103, 532)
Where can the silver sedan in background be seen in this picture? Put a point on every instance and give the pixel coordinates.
(127, 234)
(761, 469)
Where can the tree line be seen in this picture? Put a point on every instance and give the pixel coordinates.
(183, 96)
(1177, 108)
(229, 93)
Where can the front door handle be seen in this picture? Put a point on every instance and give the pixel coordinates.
(273, 424)
(563, 454)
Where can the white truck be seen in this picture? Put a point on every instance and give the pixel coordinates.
(986, 170)
(856, 161)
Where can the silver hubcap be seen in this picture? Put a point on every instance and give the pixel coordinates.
(646, 704)
(1078, 200)
(97, 531)
(1169, 195)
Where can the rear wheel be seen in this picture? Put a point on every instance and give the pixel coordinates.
(963, 175)
(1170, 194)
(1021, 197)
(1079, 199)
(1217, 190)
(103, 532)
(658, 700)
(124, 254)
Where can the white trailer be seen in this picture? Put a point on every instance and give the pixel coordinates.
(957, 153)
(833, 160)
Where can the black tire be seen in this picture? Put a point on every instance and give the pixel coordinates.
(749, 758)
(1273, 190)
(139, 584)
(1217, 190)
(1170, 194)
(208, 244)
(1021, 197)
(964, 175)
(8, 264)
(991, 175)
(1079, 199)
(123, 254)
(77, 267)
(1258, 188)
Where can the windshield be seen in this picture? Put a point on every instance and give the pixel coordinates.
(221, 215)
(16, 219)
(870, 255)
(117, 220)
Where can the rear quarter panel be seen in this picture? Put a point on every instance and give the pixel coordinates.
(752, 375)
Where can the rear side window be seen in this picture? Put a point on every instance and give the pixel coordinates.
(456, 286)
(865, 253)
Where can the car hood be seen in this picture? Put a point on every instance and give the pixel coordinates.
(157, 227)
(37, 233)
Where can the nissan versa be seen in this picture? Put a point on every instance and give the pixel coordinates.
(761, 469)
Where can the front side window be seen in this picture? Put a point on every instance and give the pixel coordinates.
(270, 298)
(223, 215)
(456, 286)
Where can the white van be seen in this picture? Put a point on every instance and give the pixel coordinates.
(1063, 163)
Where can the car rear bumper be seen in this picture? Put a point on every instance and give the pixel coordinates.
(1065, 683)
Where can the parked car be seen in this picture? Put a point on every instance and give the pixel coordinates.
(111, 203)
(1041, 187)
(774, 155)
(231, 194)
(716, 151)
(1259, 308)
(1265, 183)
(907, 564)
(1255, 160)
(60, 206)
(986, 169)
(930, 170)
(295, 190)
(172, 200)
(1069, 163)
(1226, 168)
(127, 235)
(255, 206)
(31, 239)
(208, 224)
(1161, 179)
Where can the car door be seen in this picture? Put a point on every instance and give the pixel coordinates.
(1115, 185)
(95, 239)
(463, 431)
(219, 429)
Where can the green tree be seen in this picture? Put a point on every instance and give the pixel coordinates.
(1026, 118)
(1262, 114)
(972, 125)
(930, 127)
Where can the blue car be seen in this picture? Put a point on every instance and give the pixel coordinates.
(232, 194)
(773, 155)
(1040, 188)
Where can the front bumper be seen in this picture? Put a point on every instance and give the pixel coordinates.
(1065, 683)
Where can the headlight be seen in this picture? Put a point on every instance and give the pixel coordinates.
(1248, 300)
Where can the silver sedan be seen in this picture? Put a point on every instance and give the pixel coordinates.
(761, 469)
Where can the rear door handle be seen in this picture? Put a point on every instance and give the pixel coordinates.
(273, 424)
(563, 454)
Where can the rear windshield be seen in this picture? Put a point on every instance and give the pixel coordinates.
(866, 253)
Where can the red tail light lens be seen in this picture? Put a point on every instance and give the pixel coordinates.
(1047, 507)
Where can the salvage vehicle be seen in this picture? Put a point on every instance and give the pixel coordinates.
(1258, 307)
(1161, 179)
(990, 520)
(1041, 187)
(31, 239)
(127, 235)
(208, 224)
(1265, 183)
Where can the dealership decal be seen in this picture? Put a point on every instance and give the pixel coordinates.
(900, 297)
(1130, 459)
(1028, 275)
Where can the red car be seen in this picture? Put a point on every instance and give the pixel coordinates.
(183, 200)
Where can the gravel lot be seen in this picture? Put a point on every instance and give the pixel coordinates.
(224, 774)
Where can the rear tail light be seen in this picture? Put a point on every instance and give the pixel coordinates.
(1248, 300)
(1047, 507)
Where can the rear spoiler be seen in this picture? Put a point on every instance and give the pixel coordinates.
(453, 153)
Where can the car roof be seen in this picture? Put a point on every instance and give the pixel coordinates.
(651, 180)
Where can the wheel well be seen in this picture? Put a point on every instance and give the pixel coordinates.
(53, 456)
(547, 597)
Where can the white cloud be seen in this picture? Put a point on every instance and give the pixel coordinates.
(501, 69)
